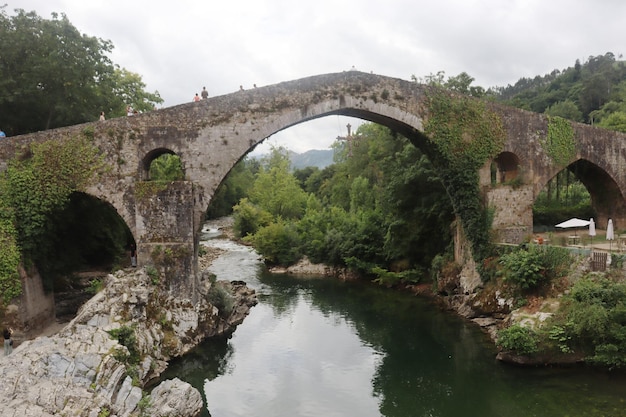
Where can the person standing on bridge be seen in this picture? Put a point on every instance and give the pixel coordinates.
(196, 97)
(101, 116)
(205, 94)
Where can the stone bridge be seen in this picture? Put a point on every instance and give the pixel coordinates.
(211, 136)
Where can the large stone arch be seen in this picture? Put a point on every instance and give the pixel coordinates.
(607, 199)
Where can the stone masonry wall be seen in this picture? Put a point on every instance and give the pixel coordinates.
(513, 217)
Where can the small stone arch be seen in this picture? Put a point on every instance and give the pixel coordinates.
(504, 168)
(146, 162)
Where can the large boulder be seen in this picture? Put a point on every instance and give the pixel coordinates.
(85, 371)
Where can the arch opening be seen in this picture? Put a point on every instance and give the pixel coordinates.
(83, 243)
(353, 193)
(162, 164)
(583, 190)
(504, 168)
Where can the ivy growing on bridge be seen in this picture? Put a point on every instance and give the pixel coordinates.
(37, 183)
(560, 145)
(10, 284)
(463, 135)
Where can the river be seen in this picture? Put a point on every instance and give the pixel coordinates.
(321, 347)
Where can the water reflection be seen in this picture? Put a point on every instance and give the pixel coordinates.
(320, 347)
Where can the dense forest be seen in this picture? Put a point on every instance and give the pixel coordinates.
(592, 92)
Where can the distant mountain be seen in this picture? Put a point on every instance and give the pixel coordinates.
(312, 158)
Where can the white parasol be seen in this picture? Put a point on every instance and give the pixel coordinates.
(610, 234)
(572, 223)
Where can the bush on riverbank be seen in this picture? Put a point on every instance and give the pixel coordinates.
(532, 266)
(590, 322)
(518, 339)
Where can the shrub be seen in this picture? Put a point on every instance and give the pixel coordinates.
(277, 242)
(222, 299)
(249, 218)
(126, 336)
(523, 268)
(530, 266)
(518, 339)
(95, 286)
(593, 317)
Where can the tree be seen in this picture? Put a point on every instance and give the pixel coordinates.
(276, 190)
(594, 87)
(233, 188)
(566, 109)
(615, 121)
(51, 75)
(460, 83)
(127, 89)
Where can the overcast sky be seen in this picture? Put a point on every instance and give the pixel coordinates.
(179, 46)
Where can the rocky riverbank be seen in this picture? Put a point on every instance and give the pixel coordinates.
(121, 339)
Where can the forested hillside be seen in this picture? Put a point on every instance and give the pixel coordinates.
(592, 92)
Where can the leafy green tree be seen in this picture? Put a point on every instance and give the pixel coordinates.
(278, 242)
(51, 75)
(128, 89)
(615, 121)
(303, 175)
(312, 229)
(318, 180)
(233, 188)
(249, 218)
(566, 109)
(276, 190)
(382, 202)
(460, 83)
(590, 86)
(418, 208)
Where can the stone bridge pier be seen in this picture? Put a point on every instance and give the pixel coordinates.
(166, 234)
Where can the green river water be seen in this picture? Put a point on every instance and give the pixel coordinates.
(322, 347)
